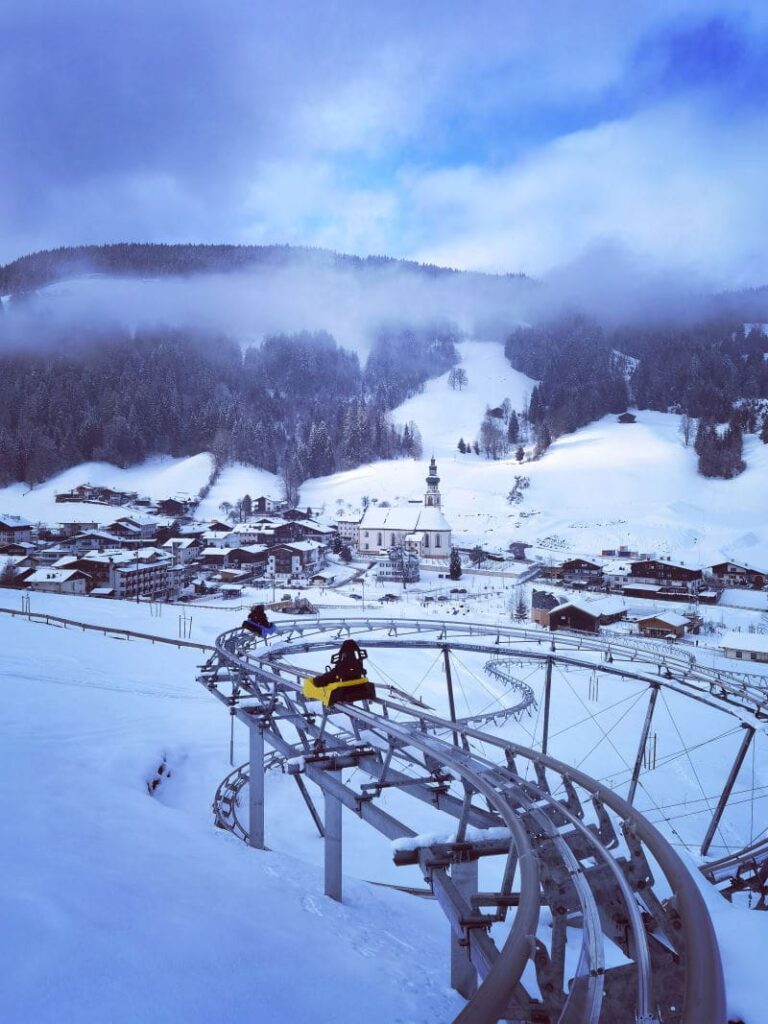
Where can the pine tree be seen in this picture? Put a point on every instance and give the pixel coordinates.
(461, 446)
(454, 570)
(513, 428)
(520, 453)
(520, 613)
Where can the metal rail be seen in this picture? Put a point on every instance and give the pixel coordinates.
(596, 862)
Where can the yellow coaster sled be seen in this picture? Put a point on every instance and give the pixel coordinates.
(340, 692)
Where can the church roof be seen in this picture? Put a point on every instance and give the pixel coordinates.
(411, 518)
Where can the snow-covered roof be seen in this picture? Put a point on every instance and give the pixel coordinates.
(302, 545)
(15, 523)
(668, 618)
(756, 643)
(54, 575)
(650, 588)
(598, 606)
(218, 552)
(178, 542)
(408, 518)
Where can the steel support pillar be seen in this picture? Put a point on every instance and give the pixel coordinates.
(332, 840)
(256, 786)
(749, 732)
(547, 694)
(643, 741)
(449, 684)
(463, 972)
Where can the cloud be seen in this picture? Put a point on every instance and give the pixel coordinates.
(409, 128)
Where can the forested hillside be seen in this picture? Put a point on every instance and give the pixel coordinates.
(299, 405)
(713, 373)
(128, 259)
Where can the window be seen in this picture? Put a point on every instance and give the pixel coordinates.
(437, 541)
(380, 540)
(426, 540)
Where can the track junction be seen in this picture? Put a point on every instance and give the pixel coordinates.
(594, 916)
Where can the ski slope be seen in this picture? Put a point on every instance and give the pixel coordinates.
(444, 415)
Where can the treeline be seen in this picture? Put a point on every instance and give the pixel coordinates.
(296, 405)
(127, 259)
(702, 371)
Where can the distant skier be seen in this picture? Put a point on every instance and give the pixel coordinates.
(257, 622)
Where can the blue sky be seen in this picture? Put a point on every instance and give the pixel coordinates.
(520, 135)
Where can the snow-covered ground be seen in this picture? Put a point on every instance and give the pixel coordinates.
(444, 415)
(233, 483)
(121, 905)
(159, 477)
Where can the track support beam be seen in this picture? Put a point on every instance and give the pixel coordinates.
(547, 696)
(463, 971)
(643, 741)
(256, 786)
(749, 732)
(333, 844)
(449, 684)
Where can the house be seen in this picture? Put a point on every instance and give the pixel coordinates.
(542, 603)
(181, 549)
(172, 507)
(666, 573)
(398, 565)
(310, 530)
(215, 557)
(300, 558)
(14, 570)
(14, 529)
(626, 417)
(73, 527)
(587, 616)
(731, 574)
(663, 624)
(144, 576)
(250, 556)
(581, 569)
(265, 504)
(94, 540)
(385, 527)
(24, 548)
(745, 646)
(135, 526)
(58, 581)
(219, 538)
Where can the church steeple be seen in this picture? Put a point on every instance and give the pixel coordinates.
(432, 498)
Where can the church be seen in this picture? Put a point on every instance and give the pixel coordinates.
(420, 528)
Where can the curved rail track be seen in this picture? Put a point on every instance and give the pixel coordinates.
(592, 915)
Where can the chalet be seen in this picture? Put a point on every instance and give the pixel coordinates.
(745, 646)
(22, 547)
(425, 524)
(265, 504)
(626, 417)
(216, 557)
(581, 569)
(94, 540)
(181, 549)
(269, 530)
(663, 624)
(542, 603)
(58, 581)
(135, 526)
(250, 556)
(731, 574)
(218, 538)
(587, 616)
(14, 529)
(172, 507)
(310, 530)
(14, 570)
(669, 574)
(98, 495)
(300, 558)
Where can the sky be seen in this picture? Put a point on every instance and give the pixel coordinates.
(501, 135)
